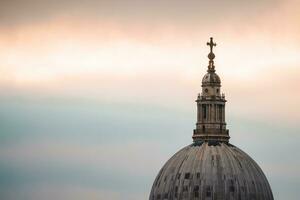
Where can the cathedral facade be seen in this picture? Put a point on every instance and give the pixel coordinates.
(211, 168)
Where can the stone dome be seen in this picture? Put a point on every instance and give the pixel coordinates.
(211, 170)
(211, 78)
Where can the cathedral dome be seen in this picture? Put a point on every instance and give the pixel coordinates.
(211, 78)
(211, 170)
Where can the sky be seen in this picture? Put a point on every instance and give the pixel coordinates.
(95, 96)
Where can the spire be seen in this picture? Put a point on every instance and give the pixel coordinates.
(211, 124)
(211, 55)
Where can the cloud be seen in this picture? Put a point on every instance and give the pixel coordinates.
(19, 12)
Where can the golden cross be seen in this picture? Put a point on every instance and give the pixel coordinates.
(211, 44)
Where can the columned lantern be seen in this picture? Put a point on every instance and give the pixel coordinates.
(211, 125)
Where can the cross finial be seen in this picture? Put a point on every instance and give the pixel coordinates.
(211, 55)
(211, 44)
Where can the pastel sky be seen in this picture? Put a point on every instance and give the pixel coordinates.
(96, 96)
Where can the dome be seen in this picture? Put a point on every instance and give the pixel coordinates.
(211, 170)
(211, 78)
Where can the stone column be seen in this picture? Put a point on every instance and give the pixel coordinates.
(221, 113)
(215, 112)
(212, 112)
(198, 112)
(209, 112)
(224, 113)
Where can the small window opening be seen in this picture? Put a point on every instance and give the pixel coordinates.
(187, 175)
(231, 188)
(208, 191)
(165, 179)
(166, 196)
(185, 188)
(176, 189)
